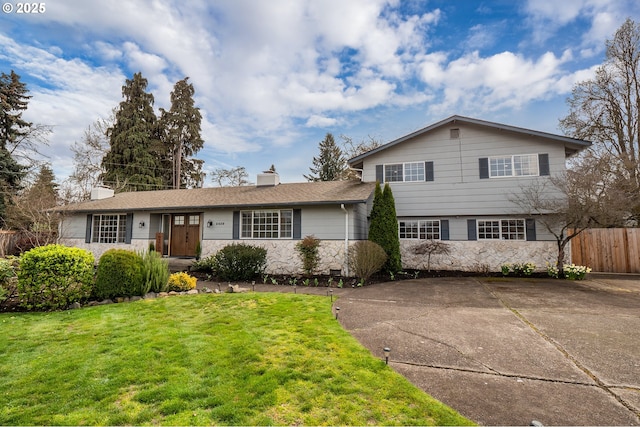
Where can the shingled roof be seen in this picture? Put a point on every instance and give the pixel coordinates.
(294, 194)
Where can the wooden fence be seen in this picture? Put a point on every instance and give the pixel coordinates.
(610, 250)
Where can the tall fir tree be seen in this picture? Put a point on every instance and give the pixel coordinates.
(383, 228)
(180, 134)
(134, 159)
(14, 100)
(29, 209)
(330, 165)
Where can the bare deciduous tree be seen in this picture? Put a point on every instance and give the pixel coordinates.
(431, 247)
(583, 197)
(606, 108)
(87, 161)
(233, 177)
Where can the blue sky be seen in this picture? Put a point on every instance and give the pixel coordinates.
(273, 77)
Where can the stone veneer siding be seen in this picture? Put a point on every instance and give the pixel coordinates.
(282, 257)
(482, 256)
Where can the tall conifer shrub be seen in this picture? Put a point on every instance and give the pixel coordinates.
(383, 229)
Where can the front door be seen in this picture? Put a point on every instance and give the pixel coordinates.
(185, 234)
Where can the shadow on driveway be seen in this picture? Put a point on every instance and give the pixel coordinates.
(507, 351)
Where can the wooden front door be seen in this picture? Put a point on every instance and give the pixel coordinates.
(185, 234)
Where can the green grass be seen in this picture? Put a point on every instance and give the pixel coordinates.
(250, 359)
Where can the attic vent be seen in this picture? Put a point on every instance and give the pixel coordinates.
(454, 133)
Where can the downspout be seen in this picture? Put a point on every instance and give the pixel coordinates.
(346, 239)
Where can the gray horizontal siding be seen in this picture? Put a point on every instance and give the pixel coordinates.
(457, 188)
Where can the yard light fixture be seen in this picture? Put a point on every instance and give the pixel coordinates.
(331, 293)
(386, 351)
(337, 312)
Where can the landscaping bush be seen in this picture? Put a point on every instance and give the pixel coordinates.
(308, 250)
(54, 276)
(120, 274)
(240, 262)
(156, 272)
(204, 265)
(8, 279)
(181, 281)
(366, 258)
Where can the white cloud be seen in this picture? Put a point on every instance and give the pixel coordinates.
(320, 121)
(503, 80)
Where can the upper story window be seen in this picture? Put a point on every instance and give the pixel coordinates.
(404, 172)
(517, 165)
(109, 229)
(267, 224)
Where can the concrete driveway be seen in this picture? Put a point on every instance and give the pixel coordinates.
(510, 351)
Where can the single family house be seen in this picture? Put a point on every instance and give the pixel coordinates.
(270, 214)
(455, 181)
(452, 181)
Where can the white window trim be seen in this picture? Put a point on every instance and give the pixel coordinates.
(121, 223)
(420, 221)
(278, 211)
(513, 165)
(501, 232)
(424, 171)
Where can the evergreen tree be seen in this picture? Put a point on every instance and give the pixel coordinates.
(134, 159)
(28, 212)
(330, 165)
(180, 132)
(383, 228)
(14, 99)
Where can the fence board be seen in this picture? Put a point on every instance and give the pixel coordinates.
(611, 250)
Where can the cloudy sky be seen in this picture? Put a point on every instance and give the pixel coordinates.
(273, 77)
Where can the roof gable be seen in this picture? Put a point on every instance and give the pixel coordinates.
(572, 145)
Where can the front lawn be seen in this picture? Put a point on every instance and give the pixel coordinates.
(240, 359)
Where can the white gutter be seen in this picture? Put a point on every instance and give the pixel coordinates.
(346, 239)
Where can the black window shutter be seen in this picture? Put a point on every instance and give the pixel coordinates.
(297, 224)
(129, 229)
(87, 233)
(531, 229)
(444, 229)
(428, 171)
(543, 164)
(236, 225)
(484, 167)
(471, 229)
(380, 173)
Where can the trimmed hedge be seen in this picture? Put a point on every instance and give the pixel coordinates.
(120, 274)
(54, 276)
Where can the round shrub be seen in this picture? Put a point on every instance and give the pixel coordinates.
(181, 281)
(240, 262)
(54, 276)
(120, 274)
(366, 258)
